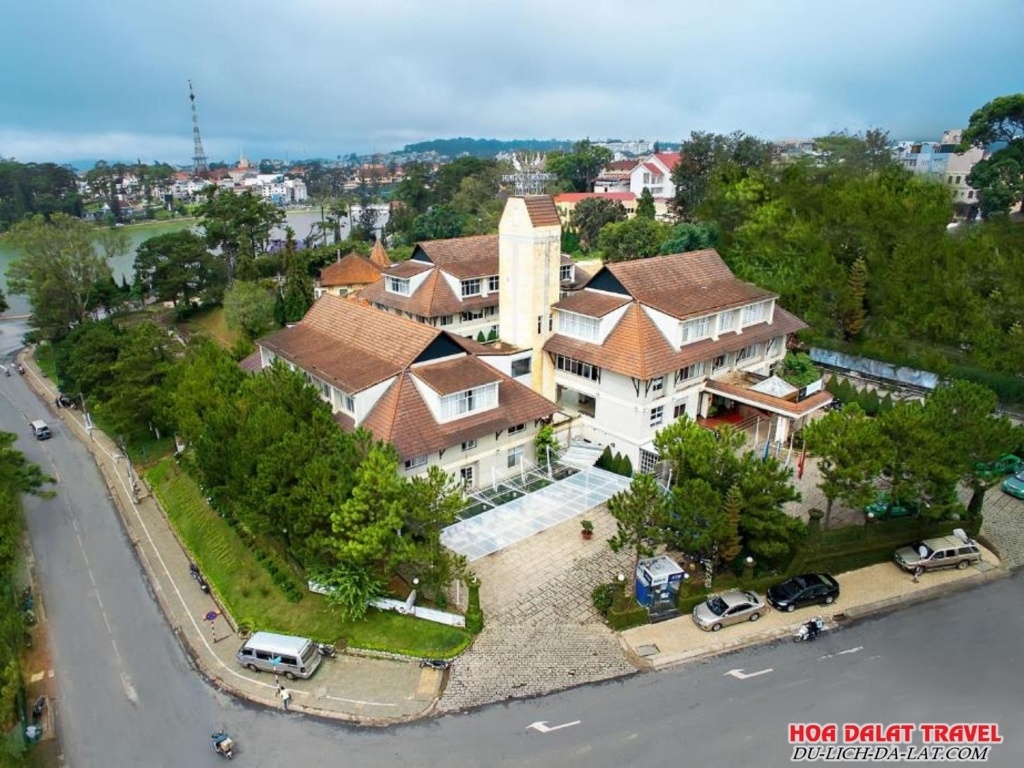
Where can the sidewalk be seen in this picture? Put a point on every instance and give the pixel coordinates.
(363, 689)
(868, 591)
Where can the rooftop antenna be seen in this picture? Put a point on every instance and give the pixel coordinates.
(199, 164)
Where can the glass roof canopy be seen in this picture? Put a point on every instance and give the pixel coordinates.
(519, 519)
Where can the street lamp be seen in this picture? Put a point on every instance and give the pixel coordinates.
(748, 567)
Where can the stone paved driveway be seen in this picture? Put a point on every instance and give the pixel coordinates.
(541, 632)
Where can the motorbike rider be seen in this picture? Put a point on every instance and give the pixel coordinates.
(814, 627)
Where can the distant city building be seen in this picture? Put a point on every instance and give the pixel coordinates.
(941, 161)
(632, 147)
(566, 202)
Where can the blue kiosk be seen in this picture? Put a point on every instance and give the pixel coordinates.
(657, 585)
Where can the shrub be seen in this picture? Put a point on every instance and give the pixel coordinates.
(606, 461)
(602, 596)
(474, 615)
(869, 402)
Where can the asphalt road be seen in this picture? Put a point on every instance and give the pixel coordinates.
(128, 697)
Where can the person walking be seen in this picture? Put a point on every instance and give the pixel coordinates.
(285, 695)
(918, 570)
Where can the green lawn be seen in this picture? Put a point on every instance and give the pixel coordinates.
(213, 323)
(250, 596)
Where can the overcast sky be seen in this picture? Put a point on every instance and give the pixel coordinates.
(302, 78)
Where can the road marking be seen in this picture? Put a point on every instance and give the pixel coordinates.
(842, 653)
(542, 726)
(740, 675)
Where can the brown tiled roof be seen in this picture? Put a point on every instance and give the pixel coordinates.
(379, 256)
(455, 375)
(636, 347)
(353, 269)
(434, 298)
(349, 344)
(401, 417)
(685, 284)
(252, 363)
(464, 257)
(408, 268)
(591, 303)
(791, 407)
(542, 211)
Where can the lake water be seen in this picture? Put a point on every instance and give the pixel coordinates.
(300, 220)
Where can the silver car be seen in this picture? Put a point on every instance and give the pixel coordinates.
(730, 607)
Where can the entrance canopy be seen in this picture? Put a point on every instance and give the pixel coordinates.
(519, 519)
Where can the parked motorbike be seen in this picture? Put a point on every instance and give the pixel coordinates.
(21, 369)
(435, 663)
(223, 744)
(38, 709)
(810, 630)
(198, 576)
(326, 650)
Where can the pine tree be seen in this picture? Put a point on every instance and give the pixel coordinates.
(731, 546)
(855, 317)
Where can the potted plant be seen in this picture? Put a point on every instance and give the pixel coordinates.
(587, 529)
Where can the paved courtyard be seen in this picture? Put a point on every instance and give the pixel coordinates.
(542, 633)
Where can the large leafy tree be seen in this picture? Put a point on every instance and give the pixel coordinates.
(86, 356)
(577, 169)
(27, 189)
(206, 379)
(639, 513)
(434, 501)
(136, 397)
(368, 524)
(707, 159)
(634, 239)
(591, 214)
(965, 413)
(850, 450)
(915, 461)
(763, 486)
(440, 222)
(177, 267)
(249, 307)
(59, 269)
(999, 178)
(688, 236)
(239, 224)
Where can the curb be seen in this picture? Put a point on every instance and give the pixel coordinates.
(844, 618)
(38, 384)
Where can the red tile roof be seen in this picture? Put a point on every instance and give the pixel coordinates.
(789, 407)
(379, 256)
(464, 257)
(657, 170)
(352, 269)
(621, 165)
(591, 303)
(685, 284)
(402, 417)
(669, 159)
(434, 298)
(636, 347)
(349, 344)
(542, 211)
(575, 197)
(456, 375)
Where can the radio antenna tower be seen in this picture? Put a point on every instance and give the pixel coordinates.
(199, 165)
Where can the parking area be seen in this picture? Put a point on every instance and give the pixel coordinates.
(672, 642)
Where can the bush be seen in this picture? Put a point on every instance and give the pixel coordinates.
(602, 596)
(606, 461)
(869, 402)
(474, 615)
(633, 616)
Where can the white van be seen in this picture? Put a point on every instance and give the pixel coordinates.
(40, 430)
(284, 654)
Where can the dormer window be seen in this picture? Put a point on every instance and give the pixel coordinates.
(399, 285)
(696, 329)
(727, 320)
(565, 273)
(469, 401)
(471, 287)
(579, 326)
(756, 313)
